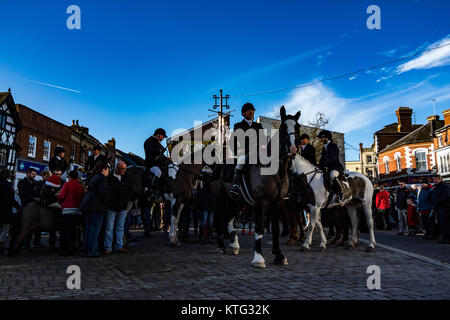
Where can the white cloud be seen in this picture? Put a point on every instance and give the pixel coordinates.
(429, 59)
(352, 78)
(350, 114)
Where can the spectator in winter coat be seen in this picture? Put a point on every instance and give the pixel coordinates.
(94, 206)
(424, 208)
(118, 193)
(402, 206)
(70, 198)
(204, 205)
(382, 204)
(57, 162)
(440, 202)
(7, 202)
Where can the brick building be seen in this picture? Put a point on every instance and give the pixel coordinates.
(367, 163)
(406, 155)
(39, 137)
(442, 147)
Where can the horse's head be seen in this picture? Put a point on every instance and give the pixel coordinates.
(289, 130)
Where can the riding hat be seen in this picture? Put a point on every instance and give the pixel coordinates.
(246, 107)
(160, 131)
(325, 134)
(58, 150)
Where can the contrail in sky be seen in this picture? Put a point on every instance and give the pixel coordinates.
(52, 85)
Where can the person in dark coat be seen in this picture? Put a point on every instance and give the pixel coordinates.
(7, 202)
(27, 187)
(203, 202)
(154, 155)
(94, 206)
(119, 194)
(400, 203)
(440, 202)
(93, 159)
(329, 162)
(424, 209)
(57, 162)
(244, 151)
(307, 150)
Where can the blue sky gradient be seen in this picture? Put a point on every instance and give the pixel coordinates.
(137, 65)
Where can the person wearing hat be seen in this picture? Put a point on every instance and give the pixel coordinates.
(242, 151)
(93, 159)
(57, 162)
(329, 162)
(440, 202)
(154, 155)
(307, 150)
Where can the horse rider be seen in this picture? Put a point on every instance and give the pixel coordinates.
(248, 112)
(57, 162)
(307, 150)
(93, 159)
(330, 164)
(154, 156)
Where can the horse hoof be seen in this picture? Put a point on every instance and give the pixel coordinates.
(259, 264)
(220, 250)
(323, 249)
(370, 249)
(349, 247)
(304, 249)
(291, 242)
(236, 251)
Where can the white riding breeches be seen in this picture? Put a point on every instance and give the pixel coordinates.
(156, 171)
(334, 174)
(240, 162)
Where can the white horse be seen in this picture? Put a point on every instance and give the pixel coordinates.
(362, 192)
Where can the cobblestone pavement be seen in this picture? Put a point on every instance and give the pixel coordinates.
(153, 270)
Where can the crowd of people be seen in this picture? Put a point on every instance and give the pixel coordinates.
(423, 209)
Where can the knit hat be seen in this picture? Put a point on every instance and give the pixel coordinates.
(54, 181)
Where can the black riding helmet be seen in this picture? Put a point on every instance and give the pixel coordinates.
(58, 150)
(160, 131)
(325, 134)
(246, 107)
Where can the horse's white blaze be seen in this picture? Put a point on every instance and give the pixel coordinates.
(172, 172)
(291, 129)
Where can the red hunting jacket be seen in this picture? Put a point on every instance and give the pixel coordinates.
(382, 200)
(71, 195)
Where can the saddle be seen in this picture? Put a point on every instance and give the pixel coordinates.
(301, 190)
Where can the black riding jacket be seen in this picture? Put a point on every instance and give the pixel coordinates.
(154, 152)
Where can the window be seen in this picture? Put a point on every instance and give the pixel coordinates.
(440, 142)
(386, 164)
(3, 157)
(74, 152)
(398, 161)
(32, 147)
(369, 159)
(47, 146)
(421, 161)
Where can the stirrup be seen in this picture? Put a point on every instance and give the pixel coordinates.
(235, 191)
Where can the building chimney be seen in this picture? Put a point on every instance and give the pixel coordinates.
(112, 143)
(78, 124)
(432, 120)
(404, 119)
(446, 114)
(73, 123)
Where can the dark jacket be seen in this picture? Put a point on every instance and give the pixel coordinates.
(95, 199)
(91, 162)
(27, 191)
(402, 195)
(440, 198)
(154, 152)
(7, 202)
(245, 127)
(309, 153)
(203, 198)
(330, 158)
(424, 203)
(58, 164)
(118, 192)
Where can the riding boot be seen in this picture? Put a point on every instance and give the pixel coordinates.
(235, 190)
(155, 187)
(343, 191)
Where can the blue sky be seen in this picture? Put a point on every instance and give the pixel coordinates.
(137, 65)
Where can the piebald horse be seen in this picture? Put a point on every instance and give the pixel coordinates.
(361, 190)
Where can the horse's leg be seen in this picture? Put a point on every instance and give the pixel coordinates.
(174, 218)
(352, 213)
(323, 242)
(367, 208)
(276, 250)
(314, 212)
(258, 260)
(233, 237)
